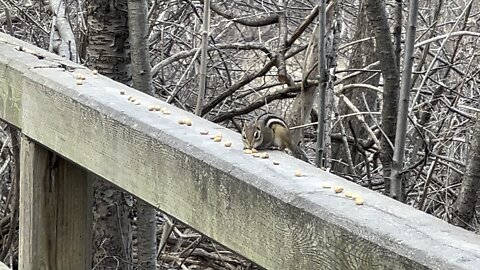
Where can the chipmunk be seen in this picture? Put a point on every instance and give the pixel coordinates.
(269, 131)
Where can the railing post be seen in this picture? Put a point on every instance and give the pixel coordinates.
(55, 211)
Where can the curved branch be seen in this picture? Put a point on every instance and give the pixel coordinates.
(348, 87)
(458, 33)
(189, 53)
(288, 92)
(247, 79)
(257, 20)
(302, 27)
(244, 81)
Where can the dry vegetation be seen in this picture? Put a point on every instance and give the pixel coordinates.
(242, 81)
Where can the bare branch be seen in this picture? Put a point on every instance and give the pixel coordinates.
(256, 20)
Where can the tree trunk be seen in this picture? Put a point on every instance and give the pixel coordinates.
(396, 190)
(203, 58)
(322, 86)
(107, 52)
(65, 44)
(146, 235)
(112, 230)
(142, 80)
(139, 53)
(363, 55)
(467, 198)
(388, 65)
(303, 103)
(108, 46)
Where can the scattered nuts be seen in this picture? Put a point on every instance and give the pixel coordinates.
(338, 189)
(215, 136)
(247, 151)
(256, 155)
(79, 82)
(264, 155)
(78, 76)
(185, 121)
(137, 102)
(227, 144)
(359, 201)
(166, 112)
(217, 139)
(157, 108)
(130, 98)
(254, 150)
(326, 185)
(298, 173)
(94, 72)
(151, 108)
(349, 194)
(276, 163)
(204, 132)
(122, 92)
(355, 196)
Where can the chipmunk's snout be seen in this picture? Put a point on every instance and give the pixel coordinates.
(246, 144)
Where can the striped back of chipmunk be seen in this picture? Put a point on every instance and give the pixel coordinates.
(270, 120)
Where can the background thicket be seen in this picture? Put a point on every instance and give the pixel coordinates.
(263, 56)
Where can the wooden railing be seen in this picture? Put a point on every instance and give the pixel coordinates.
(258, 209)
(3, 266)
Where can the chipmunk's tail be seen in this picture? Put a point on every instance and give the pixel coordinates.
(298, 152)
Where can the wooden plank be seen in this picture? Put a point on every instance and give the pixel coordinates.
(10, 78)
(260, 210)
(3, 266)
(34, 250)
(17, 58)
(74, 217)
(55, 210)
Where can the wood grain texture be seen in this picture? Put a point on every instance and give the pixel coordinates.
(55, 210)
(259, 210)
(74, 217)
(34, 250)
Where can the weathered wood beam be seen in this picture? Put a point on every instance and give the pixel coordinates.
(3, 266)
(55, 211)
(259, 210)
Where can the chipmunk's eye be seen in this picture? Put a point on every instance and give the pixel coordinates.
(244, 136)
(257, 135)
